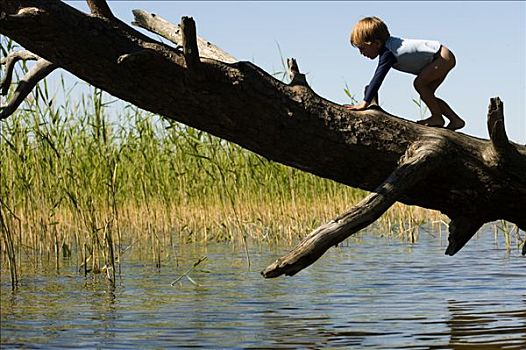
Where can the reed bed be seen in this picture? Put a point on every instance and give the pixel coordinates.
(88, 179)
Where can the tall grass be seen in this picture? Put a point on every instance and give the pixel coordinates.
(74, 180)
(88, 179)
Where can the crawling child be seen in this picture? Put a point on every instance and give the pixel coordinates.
(428, 60)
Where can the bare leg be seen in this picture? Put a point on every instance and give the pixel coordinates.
(433, 120)
(427, 95)
(427, 82)
(455, 122)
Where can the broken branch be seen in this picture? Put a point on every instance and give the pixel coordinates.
(190, 50)
(461, 230)
(38, 72)
(497, 131)
(100, 8)
(296, 78)
(10, 61)
(158, 25)
(501, 152)
(414, 166)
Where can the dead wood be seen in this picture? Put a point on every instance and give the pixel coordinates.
(471, 180)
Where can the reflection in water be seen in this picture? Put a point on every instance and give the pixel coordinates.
(105, 311)
(474, 325)
(373, 293)
(313, 331)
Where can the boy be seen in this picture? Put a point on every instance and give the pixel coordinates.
(428, 60)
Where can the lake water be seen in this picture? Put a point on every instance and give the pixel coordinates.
(372, 292)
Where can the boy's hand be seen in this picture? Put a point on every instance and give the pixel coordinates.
(359, 107)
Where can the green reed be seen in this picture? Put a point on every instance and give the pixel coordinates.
(88, 179)
(74, 178)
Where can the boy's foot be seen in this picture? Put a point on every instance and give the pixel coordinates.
(456, 124)
(432, 121)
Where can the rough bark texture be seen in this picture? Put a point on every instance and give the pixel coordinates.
(418, 162)
(473, 181)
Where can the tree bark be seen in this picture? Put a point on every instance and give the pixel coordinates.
(418, 163)
(473, 181)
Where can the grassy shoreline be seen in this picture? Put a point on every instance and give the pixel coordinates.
(77, 182)
(73, 180)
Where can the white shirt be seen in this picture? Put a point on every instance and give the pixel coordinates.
(412, 55)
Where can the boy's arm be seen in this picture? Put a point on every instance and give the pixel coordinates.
(385, 62)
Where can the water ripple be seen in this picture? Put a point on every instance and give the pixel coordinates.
(368, 294)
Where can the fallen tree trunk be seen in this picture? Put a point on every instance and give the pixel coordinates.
(473, 181)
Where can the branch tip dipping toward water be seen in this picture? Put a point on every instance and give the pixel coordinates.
(461, 230)
(414, 166)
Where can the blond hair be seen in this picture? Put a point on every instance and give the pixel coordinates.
(368, 30)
